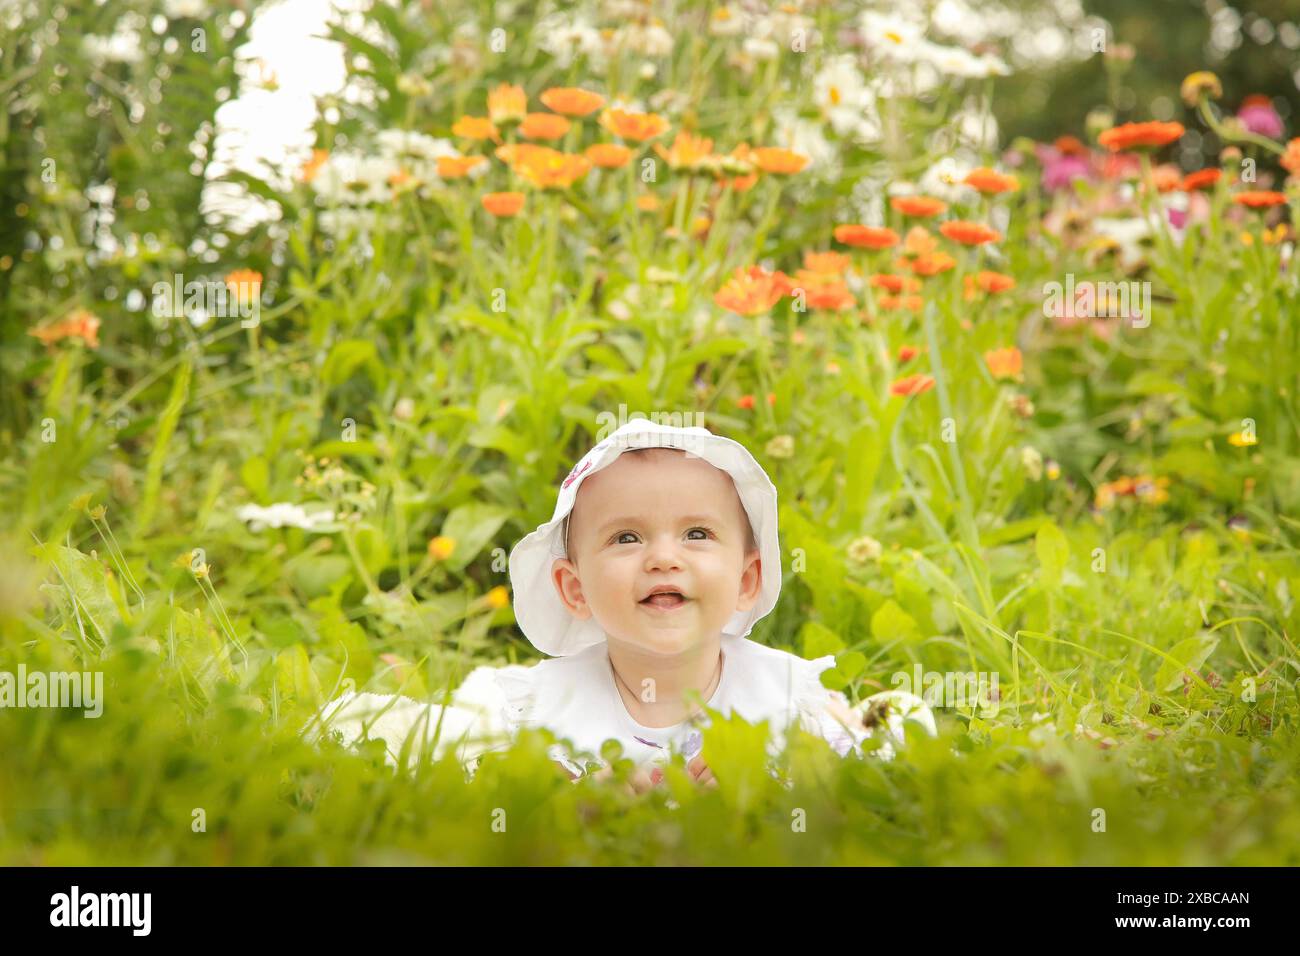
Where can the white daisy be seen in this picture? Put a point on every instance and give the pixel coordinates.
(283, 514)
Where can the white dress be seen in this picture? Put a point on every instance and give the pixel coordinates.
(577, 699)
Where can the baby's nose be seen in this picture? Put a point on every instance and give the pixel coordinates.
(663, 552)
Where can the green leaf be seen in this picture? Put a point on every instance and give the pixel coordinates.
(1053, 552)
(1188, 656)
(344, 359)
(337, 448)
(471, 527)
(294, 677)
(256, 476)
(819, 640)
(891, 623)
(313, 576)
(158, 454)
(851, 664)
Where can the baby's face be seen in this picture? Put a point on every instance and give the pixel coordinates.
(651, 520)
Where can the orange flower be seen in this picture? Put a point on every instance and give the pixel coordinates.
(512, 154)
(741, 183)
(990, 181)
(1167, 178)
(753, 290)
(647, 203)
(929, 265)
(1291, 160)
(969, 233)
(1069, 146)
(822, 291)
(688, 151)
(1005, 363)
(572, 100)
(608, 155)
(1201, 179)
(79, 323)
(994, 281)
(1259, 198)
(919, 242)
(1140, 135)
(833, 263)
(507, 103)
(246, 283)
(458, 167)
(894, 283)
(476, 128)
(912, 385)
(637, 127)
(309, 168)
(747, 401)
(919, 206)
(772, 159)
(913, 303)
(906, 353)
(866, 237)
(543, 126)
(503, 205)
(552, 169)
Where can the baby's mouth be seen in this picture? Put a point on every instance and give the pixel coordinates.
(666, 599)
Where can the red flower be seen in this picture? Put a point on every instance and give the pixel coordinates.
(912, 385)
(1259, 198)
(1140, 136)
(866, 237)
(990, 181)
(753, 290)
(994, 281)
(922, 206)
(969, 233)
(1201, 179)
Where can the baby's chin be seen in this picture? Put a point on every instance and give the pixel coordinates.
(664, 638)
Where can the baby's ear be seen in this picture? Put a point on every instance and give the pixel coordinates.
(564, 575)
(751, 580)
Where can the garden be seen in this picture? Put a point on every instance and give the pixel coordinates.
(1029, 401)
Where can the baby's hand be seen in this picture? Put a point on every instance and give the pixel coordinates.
(640, 781)
(701, 773)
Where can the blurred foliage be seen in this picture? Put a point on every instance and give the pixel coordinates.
(1169, 39)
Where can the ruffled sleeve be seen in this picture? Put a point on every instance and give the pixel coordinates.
(517, 685)
(476, 719)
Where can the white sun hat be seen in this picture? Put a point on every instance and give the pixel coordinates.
(542, 616)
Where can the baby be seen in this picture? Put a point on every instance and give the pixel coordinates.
(661, 556)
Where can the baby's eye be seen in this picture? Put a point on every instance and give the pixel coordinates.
(704, 531)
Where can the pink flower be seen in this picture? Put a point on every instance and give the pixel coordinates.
(1061, 169)
(1258, 116)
